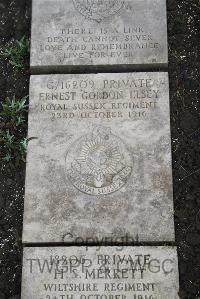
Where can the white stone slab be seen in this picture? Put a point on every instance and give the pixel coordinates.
(99, 159)
(78, 34)
(100, 273)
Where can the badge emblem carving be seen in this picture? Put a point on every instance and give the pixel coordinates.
(98, 10)
(98, 163)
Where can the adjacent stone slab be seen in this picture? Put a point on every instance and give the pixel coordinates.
(99, 159)
(70, 34)
(100, 273)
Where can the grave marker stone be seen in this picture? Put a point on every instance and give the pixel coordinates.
(99, 159)
(100, 273)
(69, 35)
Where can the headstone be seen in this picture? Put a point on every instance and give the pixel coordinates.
(99, 159)
(100, 273)
(86, 35)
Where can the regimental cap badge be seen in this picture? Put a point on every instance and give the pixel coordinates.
(99, 162)
(98, 10)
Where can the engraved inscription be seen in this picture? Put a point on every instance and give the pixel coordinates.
(98, 163)
(97, 10)
(101, 99)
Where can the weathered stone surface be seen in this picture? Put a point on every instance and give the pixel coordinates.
(69, 34)
(99, 159)
(100, 273)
